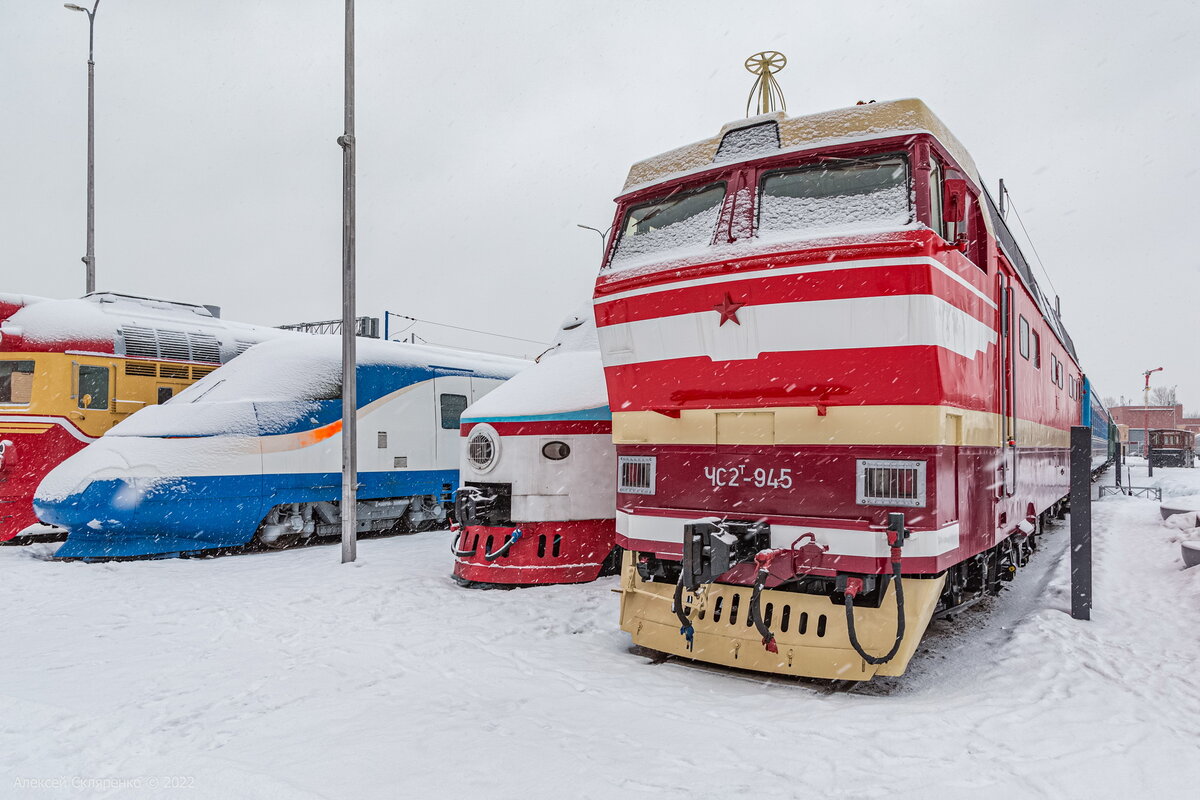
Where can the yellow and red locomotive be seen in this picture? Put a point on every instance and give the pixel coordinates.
(840, 401)
(71, 369)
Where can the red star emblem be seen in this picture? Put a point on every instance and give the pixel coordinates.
(728, 310)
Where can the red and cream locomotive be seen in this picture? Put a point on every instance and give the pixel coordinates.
(538, 472)
(841, 403)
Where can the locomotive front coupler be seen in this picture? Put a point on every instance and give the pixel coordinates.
(711, 549)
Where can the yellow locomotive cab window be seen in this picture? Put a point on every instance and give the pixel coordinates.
(93, 387)
(16, 382)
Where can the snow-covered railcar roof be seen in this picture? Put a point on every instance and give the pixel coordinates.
(306, 365)
(569, 382)
(569, 377)
(123, 325)
(868, 121)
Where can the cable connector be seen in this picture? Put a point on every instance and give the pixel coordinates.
(854, 585)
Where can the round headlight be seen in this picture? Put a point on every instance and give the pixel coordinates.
(483, 448)
(556, 451)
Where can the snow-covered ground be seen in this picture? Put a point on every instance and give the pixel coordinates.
(284, 675)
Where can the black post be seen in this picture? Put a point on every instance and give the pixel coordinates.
(1120, 457)
(1081, 522)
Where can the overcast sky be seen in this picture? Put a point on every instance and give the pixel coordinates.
(488, 130)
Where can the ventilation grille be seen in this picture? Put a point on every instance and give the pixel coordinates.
(140, 342)
(175, 345)
(200, 372)
(173, 371)
(242, 347)
(140, 368)
(399, 462)
(381, 440)
(205, 347)
(885, 482)
(481, 450)
(635, 474)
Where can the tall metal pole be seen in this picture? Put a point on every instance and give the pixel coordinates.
(1146, 408)
(89, 260)
(349, 506)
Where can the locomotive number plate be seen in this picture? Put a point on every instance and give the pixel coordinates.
(746, 475)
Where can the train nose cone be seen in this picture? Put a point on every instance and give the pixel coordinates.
(136, 496)
(84, 487)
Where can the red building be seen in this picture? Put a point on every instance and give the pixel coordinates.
(1138, 418)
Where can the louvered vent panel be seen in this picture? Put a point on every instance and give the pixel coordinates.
(243, 347)
(205, 347)
(140, 368)
(173, 371)
(139, 342)
(200, 372)
(888, 482)
(173, 344)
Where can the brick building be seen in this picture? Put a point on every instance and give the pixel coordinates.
(1137, 417)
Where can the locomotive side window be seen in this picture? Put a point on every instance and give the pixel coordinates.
(16, 381)
(681, 221)
(837, 194)
(93, 387)
(1024, 338)
(1037, 349)
(453, 406)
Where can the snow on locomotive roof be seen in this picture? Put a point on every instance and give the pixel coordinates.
(105, 316)
(308, 366)
(868, 121)
(568, 377)
(568, 382)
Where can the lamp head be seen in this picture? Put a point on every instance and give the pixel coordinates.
(74, 7)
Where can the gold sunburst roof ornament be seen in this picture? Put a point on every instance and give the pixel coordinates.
(770, 96)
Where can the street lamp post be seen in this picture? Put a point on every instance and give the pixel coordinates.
(1146, 408)
(89, 260)
(349, 507)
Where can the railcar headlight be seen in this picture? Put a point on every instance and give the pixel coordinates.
(483, 448)
(556, 451)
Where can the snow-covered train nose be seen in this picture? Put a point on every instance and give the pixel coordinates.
(131, 496)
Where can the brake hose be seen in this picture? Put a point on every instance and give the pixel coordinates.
(512, 539)
(768, 638)
(453, 549)
(686, 624)
(854, 586)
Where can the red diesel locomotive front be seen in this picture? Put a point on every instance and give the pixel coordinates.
(829, 365)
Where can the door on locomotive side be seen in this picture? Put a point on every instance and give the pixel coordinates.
(1008, 399)
(451, 396)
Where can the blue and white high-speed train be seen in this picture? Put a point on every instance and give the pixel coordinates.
(252, 452)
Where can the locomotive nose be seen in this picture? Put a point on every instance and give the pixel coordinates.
(83, 487)
(135, 496)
